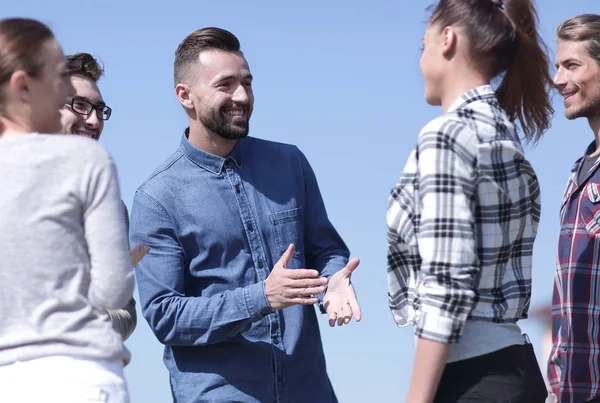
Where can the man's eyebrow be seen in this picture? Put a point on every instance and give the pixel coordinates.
(101, 103)
(226, 77)
(568, 60)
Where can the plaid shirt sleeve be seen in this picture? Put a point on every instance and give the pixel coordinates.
(447, 177)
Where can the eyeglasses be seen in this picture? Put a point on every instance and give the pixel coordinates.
(85, 108)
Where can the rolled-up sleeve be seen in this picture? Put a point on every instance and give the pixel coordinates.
(447, 241)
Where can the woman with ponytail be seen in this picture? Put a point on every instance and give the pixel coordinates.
(463, 218)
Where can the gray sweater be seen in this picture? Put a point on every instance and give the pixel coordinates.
(124, 320)
(64, 257)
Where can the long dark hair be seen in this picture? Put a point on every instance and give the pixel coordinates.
(503, 38)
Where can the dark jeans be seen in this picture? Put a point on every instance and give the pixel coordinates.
(510, 375)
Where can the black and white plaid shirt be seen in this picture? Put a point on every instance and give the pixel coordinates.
(461, 223)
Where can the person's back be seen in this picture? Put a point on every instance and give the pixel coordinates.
(51, 199)
(64, 256)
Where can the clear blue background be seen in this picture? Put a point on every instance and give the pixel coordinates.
(340, 80)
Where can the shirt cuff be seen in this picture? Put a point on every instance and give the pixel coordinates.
(438, 325)
(320, 303)
(256, 301)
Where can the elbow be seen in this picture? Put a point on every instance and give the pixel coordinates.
(113, 296)
(162, 319)
(123, 292)
(164, 337)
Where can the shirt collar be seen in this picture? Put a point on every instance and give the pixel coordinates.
(590, 149)
(476, 94)
(211, 162)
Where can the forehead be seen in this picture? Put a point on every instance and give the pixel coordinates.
(86, 88)
(571, 50)
(214, 64)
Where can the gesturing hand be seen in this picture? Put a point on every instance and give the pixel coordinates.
(340, 301)
(138, 253)
(286, 287)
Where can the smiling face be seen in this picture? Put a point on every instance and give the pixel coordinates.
(74, 123)
(221, 93)
(578, 80)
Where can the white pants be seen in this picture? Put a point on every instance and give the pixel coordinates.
(61, 379)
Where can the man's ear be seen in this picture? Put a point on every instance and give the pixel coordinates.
(184, 95)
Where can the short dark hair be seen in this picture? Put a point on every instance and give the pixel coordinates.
(85, 65)
(203, 39)
(21, 40)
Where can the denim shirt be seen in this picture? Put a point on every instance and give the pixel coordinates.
(216, 226)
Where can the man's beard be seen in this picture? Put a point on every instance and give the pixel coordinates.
(589, 110)
(217, 123)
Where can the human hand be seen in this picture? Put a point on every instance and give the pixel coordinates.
(340, 301)
(286, 287)
(138, 253)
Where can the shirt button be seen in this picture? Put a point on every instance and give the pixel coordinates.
(260, 264)
(237, 188)
(250, 227)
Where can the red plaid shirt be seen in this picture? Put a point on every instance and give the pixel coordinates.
(574, 364)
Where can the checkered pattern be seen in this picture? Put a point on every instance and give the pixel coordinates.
(461, 223)
(574, 364)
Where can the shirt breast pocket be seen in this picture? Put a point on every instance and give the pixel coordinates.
(590, 208)
(287, 229)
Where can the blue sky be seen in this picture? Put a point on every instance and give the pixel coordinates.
(341, 81)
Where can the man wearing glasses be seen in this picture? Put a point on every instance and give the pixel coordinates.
(84, 115)
(76, 116)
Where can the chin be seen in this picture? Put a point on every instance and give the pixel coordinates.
(432, 100)
(573, 113)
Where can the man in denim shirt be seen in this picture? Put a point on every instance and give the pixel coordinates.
(241, 247)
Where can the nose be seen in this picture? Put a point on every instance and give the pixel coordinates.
(240, 95)
(559, 78)
(92, 120)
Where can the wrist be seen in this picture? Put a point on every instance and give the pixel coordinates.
(266, 296)
(321, 297)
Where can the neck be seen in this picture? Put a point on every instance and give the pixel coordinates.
(9, 127)
(459, 84)
(208, 141)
